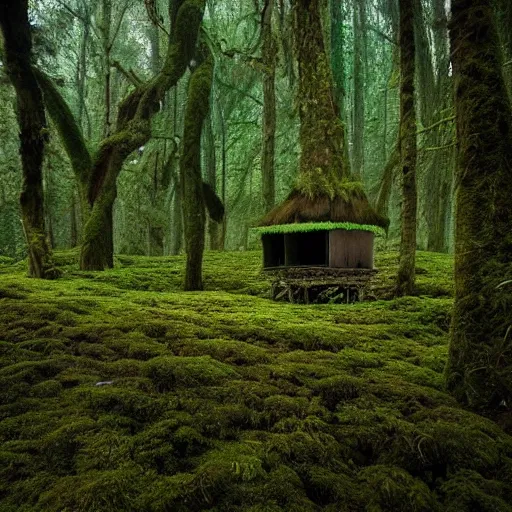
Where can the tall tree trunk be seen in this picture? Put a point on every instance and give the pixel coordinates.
(177, 218)
(337, 59)
(269, 55)
(155, 229)
(408, 151)
(198, 105)
(433, 101)
(322, 134)
(441, 169)
(224, 176)
(480, 357)
(74, 219)
(32, 123)
(81, 72)
(105, 29)
(359, 24)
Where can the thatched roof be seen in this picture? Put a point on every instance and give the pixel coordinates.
(320, 198)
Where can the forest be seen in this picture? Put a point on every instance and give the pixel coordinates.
(256, 256)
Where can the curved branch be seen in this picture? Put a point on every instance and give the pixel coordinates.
(69, 131)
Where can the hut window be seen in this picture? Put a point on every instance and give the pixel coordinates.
(306, 249)
(273, 250)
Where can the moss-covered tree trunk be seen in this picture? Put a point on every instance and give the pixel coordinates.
(269, 56)
(194, 211)
(32, 124)
(177, 218)
(322, 134)
(133, 131)
(408, 151)
(480, 359)
(98, 179)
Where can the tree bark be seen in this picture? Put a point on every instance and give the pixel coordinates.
(198, 105)
(155, 229)
(480, 357)
(433, 101)
(177, 219)
(32, 124)
(322, 134)
(105, 29)
(359, 23)
(408, 151)
(269, 56)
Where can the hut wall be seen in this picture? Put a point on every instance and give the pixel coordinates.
(350, 249)
(273, 250)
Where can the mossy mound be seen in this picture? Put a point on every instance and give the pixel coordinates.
(121, 392)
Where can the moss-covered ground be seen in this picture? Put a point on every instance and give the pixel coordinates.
(119, 392)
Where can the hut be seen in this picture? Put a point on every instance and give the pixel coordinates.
(320, 238)
(318, 243)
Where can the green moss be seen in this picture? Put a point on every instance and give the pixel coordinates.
(316, 226)
(169, 372)
(391, 488)
(339, 388)
(225, 400)
(94, 491)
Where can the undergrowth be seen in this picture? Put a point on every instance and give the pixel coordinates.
(119, 392)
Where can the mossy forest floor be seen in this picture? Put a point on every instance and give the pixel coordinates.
(227, 401)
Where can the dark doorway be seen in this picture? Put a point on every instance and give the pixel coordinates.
(273, 250)
(306, 249)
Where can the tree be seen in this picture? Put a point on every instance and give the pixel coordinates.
(325, 189)
(33, 132)
(359, 71)
(98, 175)
(322, 133)
(480, 358)
(408, 151)
(198, 105)
(269, 49)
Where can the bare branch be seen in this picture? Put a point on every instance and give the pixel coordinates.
(129, 74)
(432, 126)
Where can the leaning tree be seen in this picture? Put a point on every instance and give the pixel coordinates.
(97, 174)
(480, 360)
